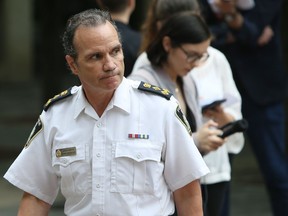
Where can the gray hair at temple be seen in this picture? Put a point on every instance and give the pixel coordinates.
(88, 18)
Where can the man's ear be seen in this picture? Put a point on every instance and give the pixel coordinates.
(166, 43)
(73, 67)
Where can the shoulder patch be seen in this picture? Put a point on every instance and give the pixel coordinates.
(179, 114)
(36, 130)
(155, 89)
(57, 97)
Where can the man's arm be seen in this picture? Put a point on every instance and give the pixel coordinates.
(32, 206)
(188, 200)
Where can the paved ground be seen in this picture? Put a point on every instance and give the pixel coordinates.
(19, 109)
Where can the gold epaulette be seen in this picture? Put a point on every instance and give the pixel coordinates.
(57, 97)
(155, 89)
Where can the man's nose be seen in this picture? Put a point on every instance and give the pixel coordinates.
(109, 64)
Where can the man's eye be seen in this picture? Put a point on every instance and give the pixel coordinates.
(96, 56)
(115, 51)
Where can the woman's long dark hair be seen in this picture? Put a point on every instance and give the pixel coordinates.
(161, 10)
(184, 27)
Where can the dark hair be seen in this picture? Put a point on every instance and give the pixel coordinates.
(88, 18)
(185, 27)
(160, 10)
(114, 6)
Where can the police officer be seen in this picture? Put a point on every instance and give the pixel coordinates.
(113, 146)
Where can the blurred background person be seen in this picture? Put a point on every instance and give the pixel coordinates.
(251, 41)
(121, 11)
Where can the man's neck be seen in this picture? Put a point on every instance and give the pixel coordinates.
(99, 102)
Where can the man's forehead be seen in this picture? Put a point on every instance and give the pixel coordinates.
(103, 33)
(101, 38)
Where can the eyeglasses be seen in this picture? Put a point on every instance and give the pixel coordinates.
(194, 58)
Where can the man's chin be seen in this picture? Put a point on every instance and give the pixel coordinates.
(113, 82)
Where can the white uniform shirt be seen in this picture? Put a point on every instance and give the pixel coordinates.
(100, 170)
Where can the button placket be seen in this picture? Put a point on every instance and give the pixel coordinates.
(98, 164)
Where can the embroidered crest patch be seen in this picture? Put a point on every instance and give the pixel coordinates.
(183, 120)
(35, 131)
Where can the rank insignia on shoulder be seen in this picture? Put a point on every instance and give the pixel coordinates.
(57, 97)
(35, 131)
(155, 89)
(183, 120)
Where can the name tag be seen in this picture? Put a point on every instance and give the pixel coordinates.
(65, 152)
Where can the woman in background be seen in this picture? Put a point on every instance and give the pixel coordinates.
(216, 155)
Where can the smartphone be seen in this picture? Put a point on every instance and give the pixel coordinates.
(213, 104)
(234, 127)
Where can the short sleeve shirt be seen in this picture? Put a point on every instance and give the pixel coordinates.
(126, 162)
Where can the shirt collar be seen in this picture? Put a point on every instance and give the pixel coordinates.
(80, 102)
(121, 99)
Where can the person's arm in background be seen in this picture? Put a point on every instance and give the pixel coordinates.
(266, 36)
(244, 26)
(220, 31)
(32, 206)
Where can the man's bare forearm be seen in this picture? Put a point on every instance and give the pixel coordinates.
(188, 200)
(32, 206)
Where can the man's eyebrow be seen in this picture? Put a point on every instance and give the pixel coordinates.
(117, 46)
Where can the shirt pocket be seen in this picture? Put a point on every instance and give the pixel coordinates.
(136, 166)
(74, 170)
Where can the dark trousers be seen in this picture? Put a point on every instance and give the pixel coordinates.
(266, 135)
(226, 206)
(216, 198)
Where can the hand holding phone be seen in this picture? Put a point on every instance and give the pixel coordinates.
(234, 127)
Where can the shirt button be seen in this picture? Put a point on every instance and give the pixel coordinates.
(97, 185)
(98, 155)
(99, 125)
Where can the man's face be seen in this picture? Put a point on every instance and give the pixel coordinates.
(99, 64)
